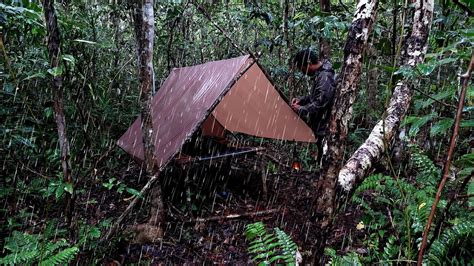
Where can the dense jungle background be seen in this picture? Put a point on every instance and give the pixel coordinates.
(216, 212)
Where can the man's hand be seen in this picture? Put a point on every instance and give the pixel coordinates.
(295, 104)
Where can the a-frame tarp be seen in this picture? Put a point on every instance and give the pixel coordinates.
(234, 94)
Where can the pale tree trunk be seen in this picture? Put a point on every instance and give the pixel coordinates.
(346, 90)
(54, 42)
(361, 161)
(324, 45)
(144, 30)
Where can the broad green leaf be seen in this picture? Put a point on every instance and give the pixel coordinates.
(446, 61)
(406, 71)
(418, 123)
(426, 69)
(56, 71)
(467, 123)
(8, 87)
(134, 192)
(68, 188)
(70, 59)
(470, 191)
(466, 160)
(59, 192)
(36, 75)
(441, 126)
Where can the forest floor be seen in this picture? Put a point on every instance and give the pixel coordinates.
(214, 190)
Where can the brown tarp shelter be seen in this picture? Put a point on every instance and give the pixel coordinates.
(233, 94)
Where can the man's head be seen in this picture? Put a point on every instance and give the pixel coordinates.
(307, 61)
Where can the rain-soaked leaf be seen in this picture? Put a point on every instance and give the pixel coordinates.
(466, 160)
(70, 59)
(68, 188)
(8, 87)
(406, 71)
(470, 191)
(56, 71)
(426, 69)
(446, 61)
(417, 122)
(134, 192)
(59, 192)
(41, 75)
(441, 126)
(467, 123)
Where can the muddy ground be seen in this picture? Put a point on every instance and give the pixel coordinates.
(214, 191)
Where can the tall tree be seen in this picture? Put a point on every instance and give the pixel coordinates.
(144, 24)
(417, 44)
(54, 44)
(324, 45)
(346, 90)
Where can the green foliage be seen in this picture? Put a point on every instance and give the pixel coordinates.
(33, 249)
(348, 259)
(461, 231)
(121, 187)
(58, 188)
(408, 206)
(270, 247)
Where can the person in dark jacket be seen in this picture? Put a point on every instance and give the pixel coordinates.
(315, 108)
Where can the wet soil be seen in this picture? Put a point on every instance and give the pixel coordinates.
(219, 189)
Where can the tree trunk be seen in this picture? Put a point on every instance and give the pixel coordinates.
(361, 161)
(324, 45)
(346, 90)
(372, 82)
(144, 30)
(289, 45)
(54, 42)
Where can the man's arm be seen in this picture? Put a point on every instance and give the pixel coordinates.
(321, 96)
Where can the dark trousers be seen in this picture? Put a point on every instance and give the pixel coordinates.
(319, 146)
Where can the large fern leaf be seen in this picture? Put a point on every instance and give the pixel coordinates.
(268, 248)
(63, 257)
(439, 249)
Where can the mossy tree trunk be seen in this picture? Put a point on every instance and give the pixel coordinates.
(346, 90)
(360, 163)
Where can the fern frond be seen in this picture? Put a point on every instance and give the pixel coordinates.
(427, 170)
(51, 247)
(287, 246)
(268, 247)
(19, 257)
(441, 246)
(63, 257)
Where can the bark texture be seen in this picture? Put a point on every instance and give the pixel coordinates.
(346, 90)
(145, 32)
(361, 161)
(324, 45)
(54, 42)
